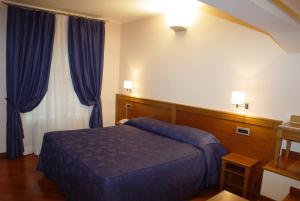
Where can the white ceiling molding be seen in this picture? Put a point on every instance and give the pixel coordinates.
(266, 16)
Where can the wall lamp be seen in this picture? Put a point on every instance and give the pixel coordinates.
(181, 14)
(238, 99)
(178, 28)
(128, 85)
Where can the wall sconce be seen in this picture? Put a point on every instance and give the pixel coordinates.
(181, 14)
(178, 28)
(238, 99)
(128, 85)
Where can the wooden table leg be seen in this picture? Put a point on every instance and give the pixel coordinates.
(222, 175)
(229, 178)
(278, 147)
(253, 179)
(288, 148)
(246, 182)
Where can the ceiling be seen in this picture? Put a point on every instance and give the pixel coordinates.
(277, 18)
(121, 11)
(280, 19)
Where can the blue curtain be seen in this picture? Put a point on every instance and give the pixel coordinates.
(86, 48)
(29, 47)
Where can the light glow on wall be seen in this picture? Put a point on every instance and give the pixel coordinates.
(181, 13)
(237, 97)
(177, 12)
(128, 85)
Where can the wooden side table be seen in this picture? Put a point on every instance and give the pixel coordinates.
(226, 196)
(240, 165)
(290, 131)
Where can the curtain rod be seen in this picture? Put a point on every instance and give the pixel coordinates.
(61, 12)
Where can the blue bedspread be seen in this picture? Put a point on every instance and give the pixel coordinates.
(124, 163)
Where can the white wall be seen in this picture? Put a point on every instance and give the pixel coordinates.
(202, 66)
(2, 77)
(110, 74)
(277, 187)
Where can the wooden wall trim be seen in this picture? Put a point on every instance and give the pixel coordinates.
(173, 117)
(258, 121)
(145, 101)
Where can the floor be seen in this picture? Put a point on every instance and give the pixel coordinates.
(19, 181)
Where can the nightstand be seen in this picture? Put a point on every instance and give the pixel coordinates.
(239, 165)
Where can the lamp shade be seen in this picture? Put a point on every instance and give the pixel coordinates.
(237, 97)
(128, 84)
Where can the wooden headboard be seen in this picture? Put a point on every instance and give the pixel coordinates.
(260, 144)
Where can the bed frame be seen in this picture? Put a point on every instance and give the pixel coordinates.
(260, 144)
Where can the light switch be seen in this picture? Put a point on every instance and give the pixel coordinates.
(243, 131)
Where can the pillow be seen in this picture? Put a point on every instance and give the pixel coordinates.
(152, 125)
(193, 136)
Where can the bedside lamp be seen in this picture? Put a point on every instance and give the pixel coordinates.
(128, 85)
(238, 99)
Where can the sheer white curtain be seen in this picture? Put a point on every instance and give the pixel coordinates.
(60, 109)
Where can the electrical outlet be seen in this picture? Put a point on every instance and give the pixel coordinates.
(243, 131)
(128, 106)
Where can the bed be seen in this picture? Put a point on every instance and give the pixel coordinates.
(143, 160)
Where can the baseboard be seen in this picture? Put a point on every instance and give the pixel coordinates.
(2, 155)
(264, 198)
(295, 192)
